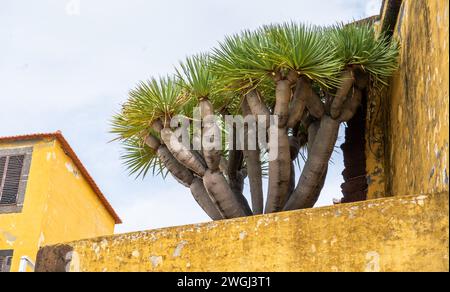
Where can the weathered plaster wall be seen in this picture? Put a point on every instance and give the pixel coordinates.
(375, 144)
(74, 210)
(392, 234)
(418, 128)
(59, 205)
(409, 125)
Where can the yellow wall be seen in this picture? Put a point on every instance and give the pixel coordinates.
(21, 232)
(375, 151)
(415, 113)
(419, 101)
(393, 234)
(59, 205)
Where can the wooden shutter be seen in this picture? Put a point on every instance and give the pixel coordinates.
(11, 174)
(5, 264)
(5, 260)
(2, 171)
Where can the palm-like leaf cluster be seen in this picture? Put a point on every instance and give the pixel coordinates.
(303, 49)
(196, 77)
(358, 45)
(154, 99)
(140, 159)
(243, 62)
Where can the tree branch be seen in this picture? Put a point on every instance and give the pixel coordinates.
(253, 159)
(347, 80)
(298, 103)
(185, 177)
(279, 168)
(305, 194)
(257, 107)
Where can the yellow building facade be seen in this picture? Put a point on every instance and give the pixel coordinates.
(46, 197)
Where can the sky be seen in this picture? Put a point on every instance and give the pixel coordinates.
(69, 64)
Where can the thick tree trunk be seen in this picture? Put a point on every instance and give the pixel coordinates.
(350, 105)
(304, 97)
(279, 168)
(314, 173)
(181, 173)
(253, 160)
(152, 142)
(297, 106)
(312, 133)
(199, 156)
(235, 177)
(157, 125)
(223, 166)
(229, 203)
(294, 149)
(255, 180)
(341, 94)
(283, 96)
(206, 202)
(315, 106)
(210, 130)
(176, 169)
(305, 194)
(185, 177)
(291, 180)
(184, 155)
(257, 106)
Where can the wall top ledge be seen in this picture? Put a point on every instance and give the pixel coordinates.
(391, 234)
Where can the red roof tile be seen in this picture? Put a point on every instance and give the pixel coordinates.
(59, 136)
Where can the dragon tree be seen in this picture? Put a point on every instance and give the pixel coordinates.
(300, 82)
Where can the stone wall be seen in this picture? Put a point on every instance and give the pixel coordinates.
(391, 234)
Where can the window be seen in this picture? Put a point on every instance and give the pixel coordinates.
(5, 260)
(14, 168)
(10, 173)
